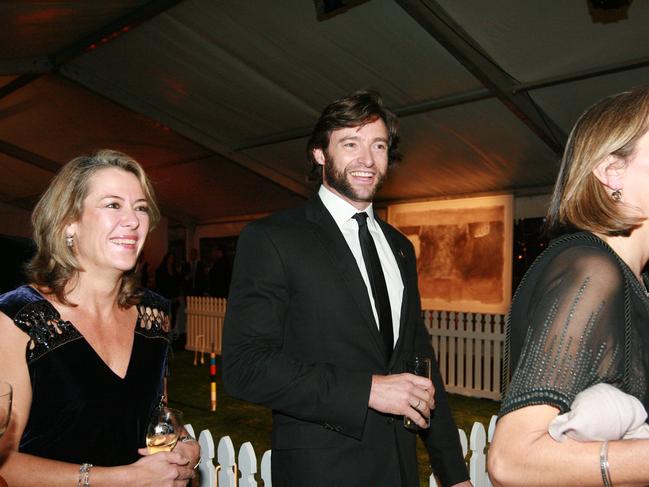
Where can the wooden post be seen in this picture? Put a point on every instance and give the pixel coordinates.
(213, 379)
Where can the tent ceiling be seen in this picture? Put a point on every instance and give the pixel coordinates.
(216, 99)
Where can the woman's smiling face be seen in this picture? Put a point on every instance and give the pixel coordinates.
(114, 223)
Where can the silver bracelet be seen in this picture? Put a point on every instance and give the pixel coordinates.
(84, 475)
(603, 465)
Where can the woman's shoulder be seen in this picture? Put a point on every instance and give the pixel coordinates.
(14, 302)
(154, 300)
(580, 270)
(581, 240)
(35, 316)
(153, 313)
(585, 254)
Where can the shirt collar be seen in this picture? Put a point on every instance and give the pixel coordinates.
(341, 210)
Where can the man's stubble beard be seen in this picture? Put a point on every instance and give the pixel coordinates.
(337, 180)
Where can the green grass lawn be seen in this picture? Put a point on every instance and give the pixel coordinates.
(189, 391)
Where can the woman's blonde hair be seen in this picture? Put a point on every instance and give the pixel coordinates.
(612, 126)
(62, 203)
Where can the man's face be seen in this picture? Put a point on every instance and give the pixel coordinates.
(356, 162)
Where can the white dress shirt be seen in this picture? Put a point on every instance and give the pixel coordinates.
(342, 213)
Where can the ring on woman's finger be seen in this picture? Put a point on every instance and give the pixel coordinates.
(416, 406)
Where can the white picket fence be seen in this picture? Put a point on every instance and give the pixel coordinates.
(205, 317)
(221, 467)
(469, 346)
(469, 349)
(230, 470)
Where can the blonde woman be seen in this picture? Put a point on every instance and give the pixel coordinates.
(83, 346)
(581, 315)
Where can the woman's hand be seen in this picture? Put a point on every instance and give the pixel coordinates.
(163, 469)
(190, 449)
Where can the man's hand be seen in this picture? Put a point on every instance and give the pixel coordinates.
(403, 394)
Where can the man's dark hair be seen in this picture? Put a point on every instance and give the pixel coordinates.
(355, 110)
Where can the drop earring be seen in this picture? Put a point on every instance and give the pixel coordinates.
(69, 240)
(616, 195)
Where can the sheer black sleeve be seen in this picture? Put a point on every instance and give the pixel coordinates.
(567, 328)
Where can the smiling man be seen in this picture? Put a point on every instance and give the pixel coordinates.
(323, 310)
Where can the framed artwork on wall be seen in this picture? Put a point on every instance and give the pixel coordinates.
(464, 251)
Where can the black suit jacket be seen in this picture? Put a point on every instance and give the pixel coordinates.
(300, 337)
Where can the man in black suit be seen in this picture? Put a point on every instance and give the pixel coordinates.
(314, 334)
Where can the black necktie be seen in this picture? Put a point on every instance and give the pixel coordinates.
(377, 282)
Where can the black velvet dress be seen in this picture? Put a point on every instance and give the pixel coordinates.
(81, 411)
(578, 318)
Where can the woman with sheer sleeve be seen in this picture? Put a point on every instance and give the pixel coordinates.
(575, 325)
(84, 346)
(579, 316)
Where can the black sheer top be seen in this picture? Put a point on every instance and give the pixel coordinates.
(578, 318)
(81, 411)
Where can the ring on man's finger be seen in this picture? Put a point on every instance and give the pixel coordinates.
(416, 406)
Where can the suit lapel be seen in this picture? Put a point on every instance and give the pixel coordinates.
(343, 263)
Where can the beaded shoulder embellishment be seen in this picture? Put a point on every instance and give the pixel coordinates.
(151, 320)
(46, 329)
